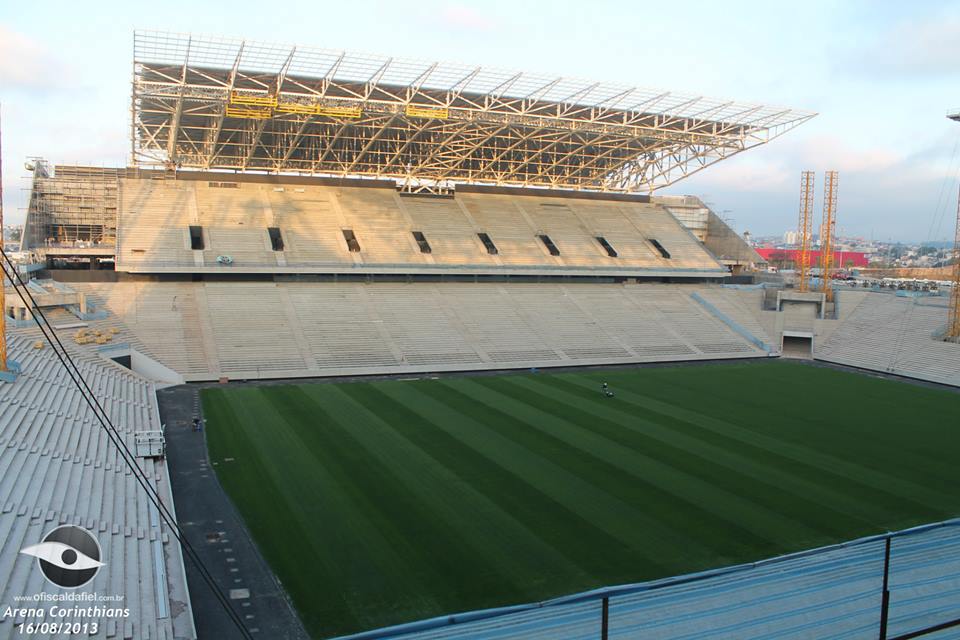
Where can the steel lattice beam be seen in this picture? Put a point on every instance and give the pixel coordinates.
(223, 104)
(830, 186)
(805, 228)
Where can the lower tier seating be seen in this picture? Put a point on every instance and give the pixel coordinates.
(897, 335)
(252, 330)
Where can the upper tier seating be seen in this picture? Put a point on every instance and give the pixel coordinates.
(153, 226)
(314, 220)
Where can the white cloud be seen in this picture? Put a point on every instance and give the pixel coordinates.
(465, 18)
(25, 63)
(778, 166)
(914, 49)
(883, 188)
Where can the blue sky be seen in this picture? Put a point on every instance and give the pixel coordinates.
(882, 76)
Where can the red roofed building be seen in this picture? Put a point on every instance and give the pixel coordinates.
(841, 259)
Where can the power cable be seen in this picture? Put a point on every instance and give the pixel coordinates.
(115, 437)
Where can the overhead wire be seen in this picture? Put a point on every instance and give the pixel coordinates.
(942, 206)
(73, 371)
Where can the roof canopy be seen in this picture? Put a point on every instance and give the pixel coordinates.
(231, 104)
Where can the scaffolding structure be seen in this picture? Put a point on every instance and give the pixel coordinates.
(827, 232)
(213, 103)
(72, 206)
(805, 229)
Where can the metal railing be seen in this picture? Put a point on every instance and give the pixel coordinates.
(730, 322)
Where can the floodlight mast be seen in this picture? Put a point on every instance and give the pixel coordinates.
(805, 229)
(827, 236)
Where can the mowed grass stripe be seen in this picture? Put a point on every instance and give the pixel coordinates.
(526, 427)
(384, 502)
(377, 522)
(836, 393)
(861, 484)
(291, 520)
(718, 477)
(475, 535)
(579, 499)
(813, 487)
(807, 497)
(869, 479)
(858, 404)
(676, 486)
(562, 529)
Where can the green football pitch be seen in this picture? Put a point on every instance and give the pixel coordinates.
(390, 501)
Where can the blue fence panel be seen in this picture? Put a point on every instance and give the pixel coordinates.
(924, 580)
(801, 597)
(946, 634)
(573, 621)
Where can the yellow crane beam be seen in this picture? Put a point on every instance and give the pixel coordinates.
(805, 228)
(830, 185)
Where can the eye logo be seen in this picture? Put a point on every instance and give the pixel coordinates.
(69, 556)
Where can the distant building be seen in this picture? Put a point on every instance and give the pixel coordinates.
(791, 237)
